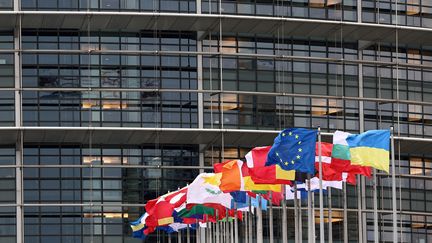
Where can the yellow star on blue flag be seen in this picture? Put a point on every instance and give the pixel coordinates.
(298, 148)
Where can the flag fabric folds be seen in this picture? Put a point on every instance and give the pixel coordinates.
(205, 189)
(341, 159)
(371, 148)
(261, 174)
(231, 175)
(328, 172)
(272, 174)
(294, 149)
(241, 185)
(257, 157)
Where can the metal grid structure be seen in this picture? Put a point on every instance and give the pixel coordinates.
(83, 183)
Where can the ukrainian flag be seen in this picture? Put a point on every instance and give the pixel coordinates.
(370, 148)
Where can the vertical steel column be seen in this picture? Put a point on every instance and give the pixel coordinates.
(16, 5)
(359, 11)
(198, 6)
(361, 200)
(200, 95)
(18, 124)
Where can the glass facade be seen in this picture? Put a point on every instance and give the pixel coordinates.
(180, 77)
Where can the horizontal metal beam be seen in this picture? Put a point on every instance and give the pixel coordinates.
(217, 92)
(137, 21)
(125, 166)
(131, 136)
(214, 54)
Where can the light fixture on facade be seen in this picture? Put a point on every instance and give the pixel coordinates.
(114, 160)
(412, 7)
(90, 159)
(113, 105)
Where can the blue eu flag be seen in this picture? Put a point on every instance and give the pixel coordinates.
(294, 149)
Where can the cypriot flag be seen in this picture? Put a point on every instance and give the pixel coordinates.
(205, 189)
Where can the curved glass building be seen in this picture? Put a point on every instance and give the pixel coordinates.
(105, 104)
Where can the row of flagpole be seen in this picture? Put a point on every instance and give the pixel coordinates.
(228, 232)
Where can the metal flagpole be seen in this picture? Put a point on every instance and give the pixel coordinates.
(259, 221)
(208, 230)
(236, 229)
(179, 237)
(209, 236)
(169, 238)
(217, 227)
(330, 223)
(197, 232)
(300, 220)
(345, 213)
(271, 218)
(360, 207)
(321, 200)
(309, 208)
(231, 224)
(313, 217)
(296, 215)
(393, 186)
(245, 223)
(188, 234)
(375, 207)
(250, 231)
(226, 230)
(284, 217)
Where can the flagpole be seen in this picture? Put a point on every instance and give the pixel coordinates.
(209, 229)
(236, 229)
(245, 223)
(250, 221)
(217, 227)
(296, 216)
(227, 230)
(313, 217)
(231, 224)
(259, 221)
(321, 200)
(360, 207)
(284, 217)
(375, 207)
(345, 213)
(330, 223)
(309, 208)
(271, 218)
(179, 238)
(300, 219)
(197, 232)
(393, 186)
(169, 238)
(188, 234)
